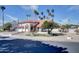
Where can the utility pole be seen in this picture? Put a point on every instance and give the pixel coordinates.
(2, 8)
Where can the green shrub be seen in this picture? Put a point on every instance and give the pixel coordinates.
(1, 30)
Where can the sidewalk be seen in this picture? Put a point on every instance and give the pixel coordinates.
(44, 38)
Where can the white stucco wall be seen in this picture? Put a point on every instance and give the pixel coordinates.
(25, 29)
(40, 30)
(72, 30)
(22, 30)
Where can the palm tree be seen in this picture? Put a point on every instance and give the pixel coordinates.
(52, 10)
(48, 10)
(2, 8)
(50, 13)
(36, 12)
(40, 17)
(28, 16)
(42, 13)
(44, 16)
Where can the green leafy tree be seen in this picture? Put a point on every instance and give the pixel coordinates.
(7, 26)
(67, 26)
(50, 25)
(55, 25)
(46, 24)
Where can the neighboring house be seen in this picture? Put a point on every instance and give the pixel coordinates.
(71, 30)
(30, 25)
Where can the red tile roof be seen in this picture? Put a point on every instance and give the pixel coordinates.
(30, 21)
(38, 22)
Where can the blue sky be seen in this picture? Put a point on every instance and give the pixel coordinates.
(62, 13)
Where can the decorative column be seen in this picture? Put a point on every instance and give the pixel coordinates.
(29, 27)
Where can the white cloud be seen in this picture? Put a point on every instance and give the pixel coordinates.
(34, 7)
(65, 21)
(25, 7)
(11, 17)
(75, 7)
(29, 7)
